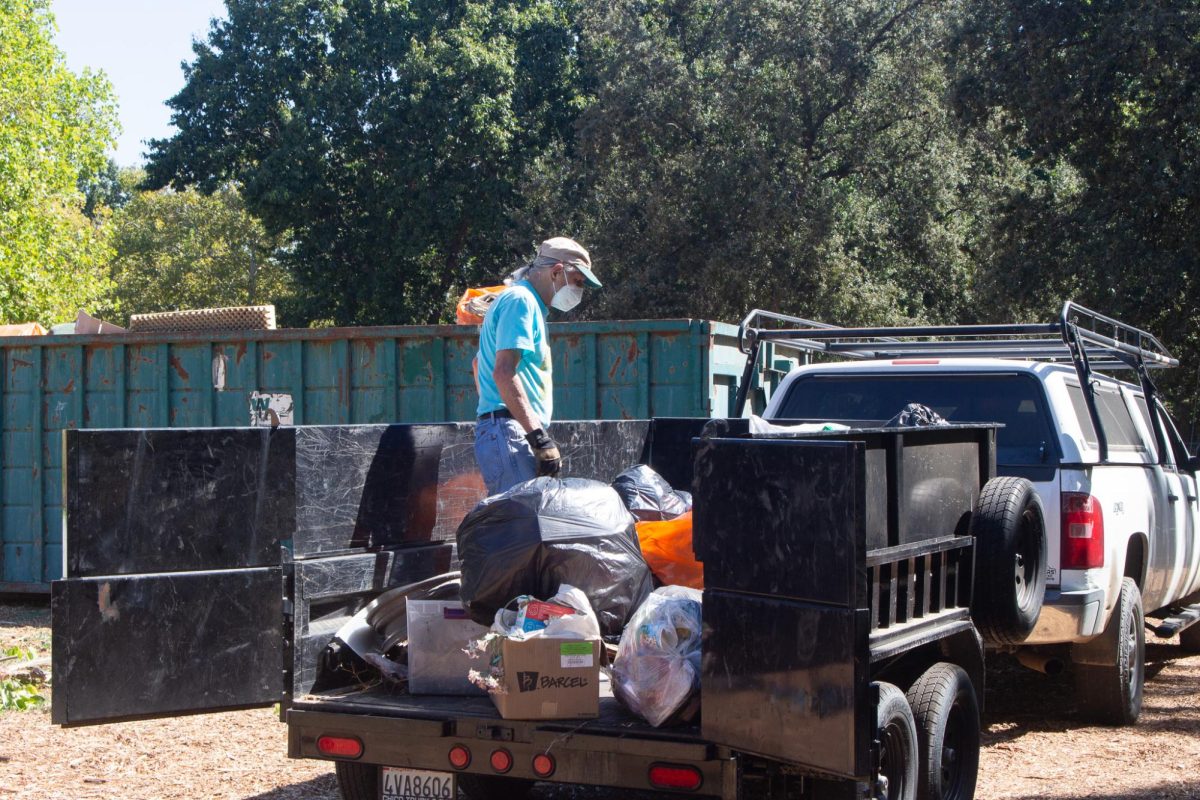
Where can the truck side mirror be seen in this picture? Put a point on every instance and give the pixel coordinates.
(1192, 464)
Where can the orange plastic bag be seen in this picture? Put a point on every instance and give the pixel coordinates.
(667, 548)
(474, 302)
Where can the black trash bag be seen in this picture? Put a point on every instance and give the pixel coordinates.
(916, 415)
(546, 532)
(648, 496)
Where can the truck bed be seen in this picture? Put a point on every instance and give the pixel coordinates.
(384, 701)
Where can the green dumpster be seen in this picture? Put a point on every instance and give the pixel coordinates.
(602, 370)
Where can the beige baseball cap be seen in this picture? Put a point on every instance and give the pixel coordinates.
(571, 253)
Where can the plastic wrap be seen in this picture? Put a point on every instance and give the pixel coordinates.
(656, 673)
(760, 427)
(667, 548)
(547, 532)
(648, 496)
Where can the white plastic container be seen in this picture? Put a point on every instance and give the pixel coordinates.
(438, 633)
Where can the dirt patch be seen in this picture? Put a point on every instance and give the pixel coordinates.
(1033, 745)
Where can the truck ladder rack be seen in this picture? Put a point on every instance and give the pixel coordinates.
(1108, 343)
(1080, 336)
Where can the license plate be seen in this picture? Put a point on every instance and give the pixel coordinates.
(416, 784)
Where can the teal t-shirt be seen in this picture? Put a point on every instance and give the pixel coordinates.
(517, 321)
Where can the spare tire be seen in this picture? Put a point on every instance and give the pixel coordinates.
(1010, 560)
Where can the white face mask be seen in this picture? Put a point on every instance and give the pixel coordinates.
(567, 297)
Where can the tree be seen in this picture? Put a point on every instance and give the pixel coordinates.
(105, 190)
(178, 250)
(54, 127)
(791, 155)
(1102, 100)
(388, 136)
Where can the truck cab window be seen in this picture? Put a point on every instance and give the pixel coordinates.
(1124, 441)
(1016, 401)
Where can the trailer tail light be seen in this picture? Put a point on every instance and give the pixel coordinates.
(543, 765)
(1082, 531)
(502, 760)
(339, 746)
(675, 776)
(459, 756)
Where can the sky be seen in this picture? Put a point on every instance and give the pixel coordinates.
(140, 45)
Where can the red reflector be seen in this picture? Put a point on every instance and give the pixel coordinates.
(339, 746)
(502, 760)
(906, 361)
(543, 765)
(460, 757)
(675, 776)
(1082, 531)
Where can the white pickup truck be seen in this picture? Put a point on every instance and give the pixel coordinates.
(1118, 545)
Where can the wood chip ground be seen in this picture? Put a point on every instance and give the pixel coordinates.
(1033, 745)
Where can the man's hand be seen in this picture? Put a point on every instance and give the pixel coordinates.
(545, 452)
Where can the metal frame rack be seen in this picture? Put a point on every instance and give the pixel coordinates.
(1087, 339)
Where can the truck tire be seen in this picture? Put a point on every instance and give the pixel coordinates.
(493, 787)
(1010, 560)
(898, 749)
(1112, 694)
(1189, 639)
(947, 716)
(358, 781)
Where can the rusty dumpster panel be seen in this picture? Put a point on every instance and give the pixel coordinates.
(603, 370)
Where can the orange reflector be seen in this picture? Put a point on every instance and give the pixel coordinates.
(675, 776)
(339, 746)
(543, 765)
(904, 361)
(502, 760)
(460, 757)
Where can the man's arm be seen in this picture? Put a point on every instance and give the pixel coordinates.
(545, 451)
(511, 390)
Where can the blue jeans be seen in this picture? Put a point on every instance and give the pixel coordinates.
(504, 457)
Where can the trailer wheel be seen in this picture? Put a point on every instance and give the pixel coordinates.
(490, 787)
(897, 732)
(1111, 694)
(947, 715)
(1189, 639)
(358, 781)
(1010, 560)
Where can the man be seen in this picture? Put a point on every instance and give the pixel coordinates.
(516, 391)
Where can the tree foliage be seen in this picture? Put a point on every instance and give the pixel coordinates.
(175, 250)
(1102, 97)
(797, 156)
(388, 136)
(54, 127)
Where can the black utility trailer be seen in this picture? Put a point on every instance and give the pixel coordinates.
(209, 569)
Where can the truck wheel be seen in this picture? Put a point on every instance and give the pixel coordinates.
(490, 787)
(1189, 639)
(1112, 694)
(947, 717)
(897, 777)
(1010, 560)
(358, 781)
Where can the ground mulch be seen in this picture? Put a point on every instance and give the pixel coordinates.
(1034, 747)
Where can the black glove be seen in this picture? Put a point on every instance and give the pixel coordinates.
(545, 452)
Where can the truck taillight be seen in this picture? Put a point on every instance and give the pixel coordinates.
(459, 756)
(339, 746)
(675, 776)
(1082, 531)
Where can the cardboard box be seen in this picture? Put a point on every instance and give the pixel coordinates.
(549, 678)
(438, 632)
